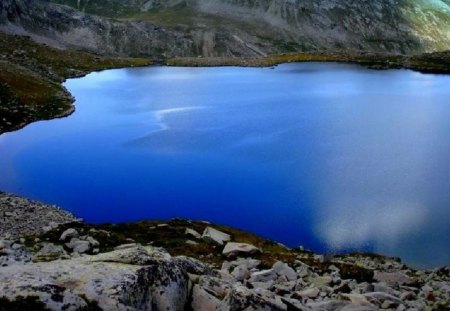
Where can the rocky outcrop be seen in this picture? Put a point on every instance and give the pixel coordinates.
(279, 25)
(135, 277)
(19, 216)
(139, 278)
(213, 28)
(123, 267)
(64, 27)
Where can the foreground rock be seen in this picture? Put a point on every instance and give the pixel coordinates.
(19, 216)
(138, 278)
(150, 266)
(233, 249)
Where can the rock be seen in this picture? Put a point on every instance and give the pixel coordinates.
(125, 246)
(331, 305)
(202, 300)
(92, 241)
(233, 250)
(68, 234)
(263, 276)
(307, 293)
(242, 298)
(321, 281)
(49, 252)
(241, 273)
(282, 269)
(79, 246)
(392, 278)
(356, 299)
(193, 233)
(380, 297)
(20, 217)
(115, 281)
(190, 242)
(215, 236)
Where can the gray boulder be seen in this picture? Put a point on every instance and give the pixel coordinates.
(137, 278)
(68, 234)
(282, 269)
(215, 236)
(233, 250)
(79, 246)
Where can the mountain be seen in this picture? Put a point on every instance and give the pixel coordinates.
(232, 28)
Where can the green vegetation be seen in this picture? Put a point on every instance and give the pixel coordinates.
(31, 76)
(431, 62)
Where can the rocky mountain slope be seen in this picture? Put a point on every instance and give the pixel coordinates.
(274, 26)
(189, 265)
(232, 27)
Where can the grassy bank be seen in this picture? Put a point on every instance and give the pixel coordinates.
(433, 62)
(31, 75)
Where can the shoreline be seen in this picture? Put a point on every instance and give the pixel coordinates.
(212, 263)
(31, 74)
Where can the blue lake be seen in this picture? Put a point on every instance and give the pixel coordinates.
(333, 157)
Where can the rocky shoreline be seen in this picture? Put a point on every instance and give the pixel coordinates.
(62, 263)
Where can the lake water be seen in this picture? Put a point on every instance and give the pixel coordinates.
(333, 157)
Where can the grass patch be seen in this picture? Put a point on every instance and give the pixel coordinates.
(31, 76)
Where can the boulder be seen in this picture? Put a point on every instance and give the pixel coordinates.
(307, 293)
(68, 234)
(263, 276)
(193, 233)
(241, 273)
(283, 269)
(50, 251)
(215, 236)
(392, 278)
(131, 279)
(79, 246)
(233, 250)
(203, 300)
(242, 298)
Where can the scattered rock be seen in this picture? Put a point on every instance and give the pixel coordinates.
(68, 234)
(193, 233)
(215, 236)
(233, 250)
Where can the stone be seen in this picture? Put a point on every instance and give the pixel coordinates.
(283, 269)
(321, 281)
(392, 278)
(202, 300)
(356, 299)
(263, 276)
(50, 251)
(381, 297)
(190, 242)
(92, 241)
(233, 250)
(215, 236)
(307, 293)
(79, 246)
(193, 233)
(68, 234)
(241, 273)
(115, 281)
(242, 298)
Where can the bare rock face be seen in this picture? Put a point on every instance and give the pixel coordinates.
(139, 278)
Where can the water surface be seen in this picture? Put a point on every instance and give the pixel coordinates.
(329, 156)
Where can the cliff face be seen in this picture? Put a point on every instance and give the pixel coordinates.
(62, 26)
(232, 27)
(399, 26)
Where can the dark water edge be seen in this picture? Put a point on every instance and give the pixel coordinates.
(354, 160)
